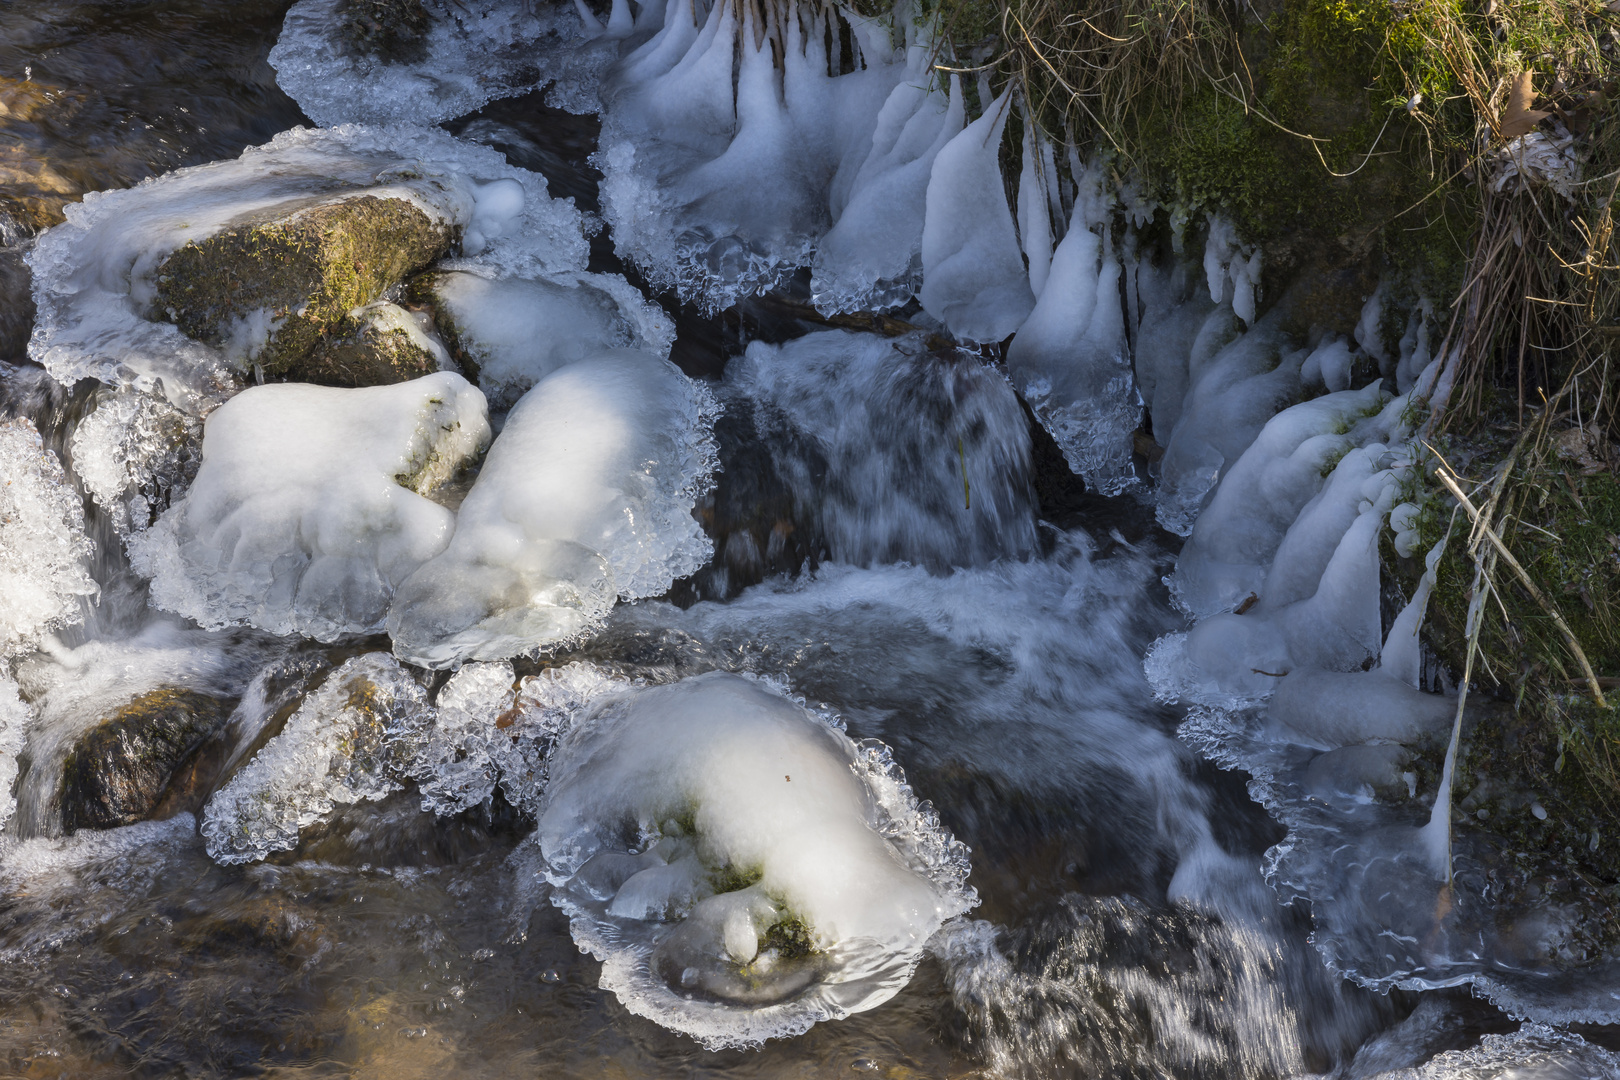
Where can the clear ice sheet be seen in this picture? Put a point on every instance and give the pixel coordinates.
(473, 54)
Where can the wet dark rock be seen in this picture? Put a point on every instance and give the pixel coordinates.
(148, 759)
(291, 279)
(378, 345)
(392, 30)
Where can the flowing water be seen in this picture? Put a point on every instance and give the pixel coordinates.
(905, 573)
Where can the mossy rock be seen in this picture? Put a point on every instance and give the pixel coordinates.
(377, 345)
(148, 759)
(268, 289)
(391, 30)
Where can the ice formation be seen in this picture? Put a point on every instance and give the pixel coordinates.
(515, 331)
(974, 280)
(871, 258)
(469, 55)
(44, 553)
(1070, 358)
(15, 717)
(741, 867)
(92, 274)
(309, 508)
(586, 497)
(896, 453)
(1292, 678)
(135, 454)
(352, 739)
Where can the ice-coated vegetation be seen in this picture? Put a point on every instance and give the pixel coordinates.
(741, 867)
(586, 497)
(310, 507)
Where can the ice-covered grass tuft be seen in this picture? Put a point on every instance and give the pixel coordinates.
(44, 553)
(742, 868)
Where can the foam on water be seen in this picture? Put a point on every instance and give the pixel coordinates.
(741, 867)
(92, 274)
(309, 508)
(585, 498)
(44, 552)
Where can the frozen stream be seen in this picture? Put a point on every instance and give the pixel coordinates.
(689, 677)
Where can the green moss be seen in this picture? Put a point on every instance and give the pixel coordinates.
(730, 878)
(305, 270)
(790, 937)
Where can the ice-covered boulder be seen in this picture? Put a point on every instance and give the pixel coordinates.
(740, 866)
(353, 739)
(135, 454)
(44, 552)
(268, 289)
(374, 345)
(509, 333)
(313, 221)
(309, 508)
(585, 498)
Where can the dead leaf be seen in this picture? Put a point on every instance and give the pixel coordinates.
(1519, 118)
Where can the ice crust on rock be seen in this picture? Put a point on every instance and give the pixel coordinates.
(15, 718)
(92, 274)
(878, 438)
(585, 498)
(44, 552)
(353, 739)
(741, 867)
(515, 331)
(470, 55)
(135, 454)
(309, 508)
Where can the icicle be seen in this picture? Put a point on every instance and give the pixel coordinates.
(620, 22)
(1034, 221)
(973, 273)
(593, 25)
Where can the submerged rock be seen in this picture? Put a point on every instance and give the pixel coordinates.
(143, 758)
(269, 288)
(378, 344)
(392, 30)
